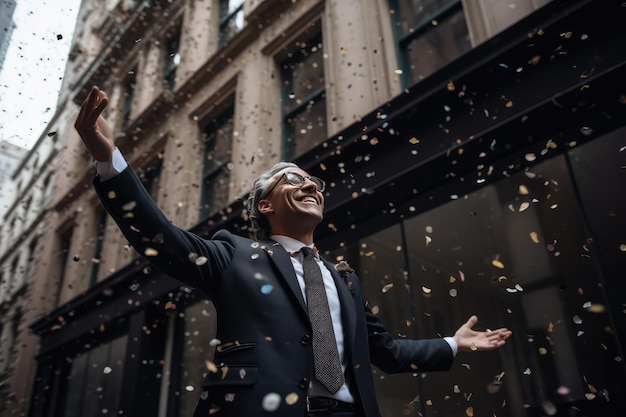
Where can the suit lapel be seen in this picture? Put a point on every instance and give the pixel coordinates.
(286, 273)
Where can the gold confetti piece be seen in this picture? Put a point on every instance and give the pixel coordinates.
(452, 279)
(622, 247)
(497, 264)
(590, 396)
(534, 237)
(550, 327)
(469, 411)
(450, 86)
(150, 252)
(426, 290)
(428, 240)
(502, 278)
(429, 402)
(508, 104)
(414, 141)
(387, 287)
(522, 190)
(210, 366)
(170, 305)
(542, 351)
(291, 399)
(375, 309)
(111, 195)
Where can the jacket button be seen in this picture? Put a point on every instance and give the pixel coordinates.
(306, 339)
(304, 383)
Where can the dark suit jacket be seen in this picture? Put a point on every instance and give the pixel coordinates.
(265, 336)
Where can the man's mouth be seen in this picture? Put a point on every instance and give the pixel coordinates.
(310, 200)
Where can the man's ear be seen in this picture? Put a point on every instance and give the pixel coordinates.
(265, 207)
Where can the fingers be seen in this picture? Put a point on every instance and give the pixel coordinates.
(92, 107)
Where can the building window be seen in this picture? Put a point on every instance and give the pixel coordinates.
(65, 243)
(94, 380)
(171, 55)
(191, 349)
(95, 261)
(128, 96)
(231, 19)
(217, 137)
(149, 175)
(303, 94)
(429, 34)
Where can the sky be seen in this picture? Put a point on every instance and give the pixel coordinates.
(34, 66)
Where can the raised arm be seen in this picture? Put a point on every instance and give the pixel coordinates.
(93, 128)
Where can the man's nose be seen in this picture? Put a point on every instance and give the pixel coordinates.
(308, 185)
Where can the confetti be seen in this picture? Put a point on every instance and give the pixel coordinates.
(271, 402)
(150, 252)
(387, 288)
(497, 264)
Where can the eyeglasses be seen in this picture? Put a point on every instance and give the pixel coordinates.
(297, 180)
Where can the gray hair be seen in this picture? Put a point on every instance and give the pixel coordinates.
(260, 226)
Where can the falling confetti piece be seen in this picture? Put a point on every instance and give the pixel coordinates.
(189, 388)
(577, 320)
(266, 289)
(129, 206)
(534, 237)
(527, 371)
(522, 190)
(107, 370)
(201, 260)
(150, 252)
(387, 288)
(254, 256)
(428, 240)
(473, 347)
(523, 206)
(542, 351)
(497, 264)
(271, 402)
(291, 399)
(426, 290)
(453, 292)
(469, 411)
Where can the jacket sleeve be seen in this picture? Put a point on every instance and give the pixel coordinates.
(183, 255)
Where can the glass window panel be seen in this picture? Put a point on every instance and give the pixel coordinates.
(95, 379)
(438, 46)
(218, 136)
(196, 350)
(303, 73)
(307, 127)
(412, 14)
(231, 19)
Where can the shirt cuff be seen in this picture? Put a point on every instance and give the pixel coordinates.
(109, 169)
(452, 344)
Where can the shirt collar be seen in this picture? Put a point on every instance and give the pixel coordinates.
(290, 244)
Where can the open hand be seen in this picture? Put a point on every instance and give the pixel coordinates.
(93, 128)
(469, 340)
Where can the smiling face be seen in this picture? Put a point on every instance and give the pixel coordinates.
(291, 210)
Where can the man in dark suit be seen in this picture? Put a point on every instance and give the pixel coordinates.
(267, 362)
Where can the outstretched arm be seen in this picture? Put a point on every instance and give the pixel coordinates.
(93, 128)
(469, 340)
